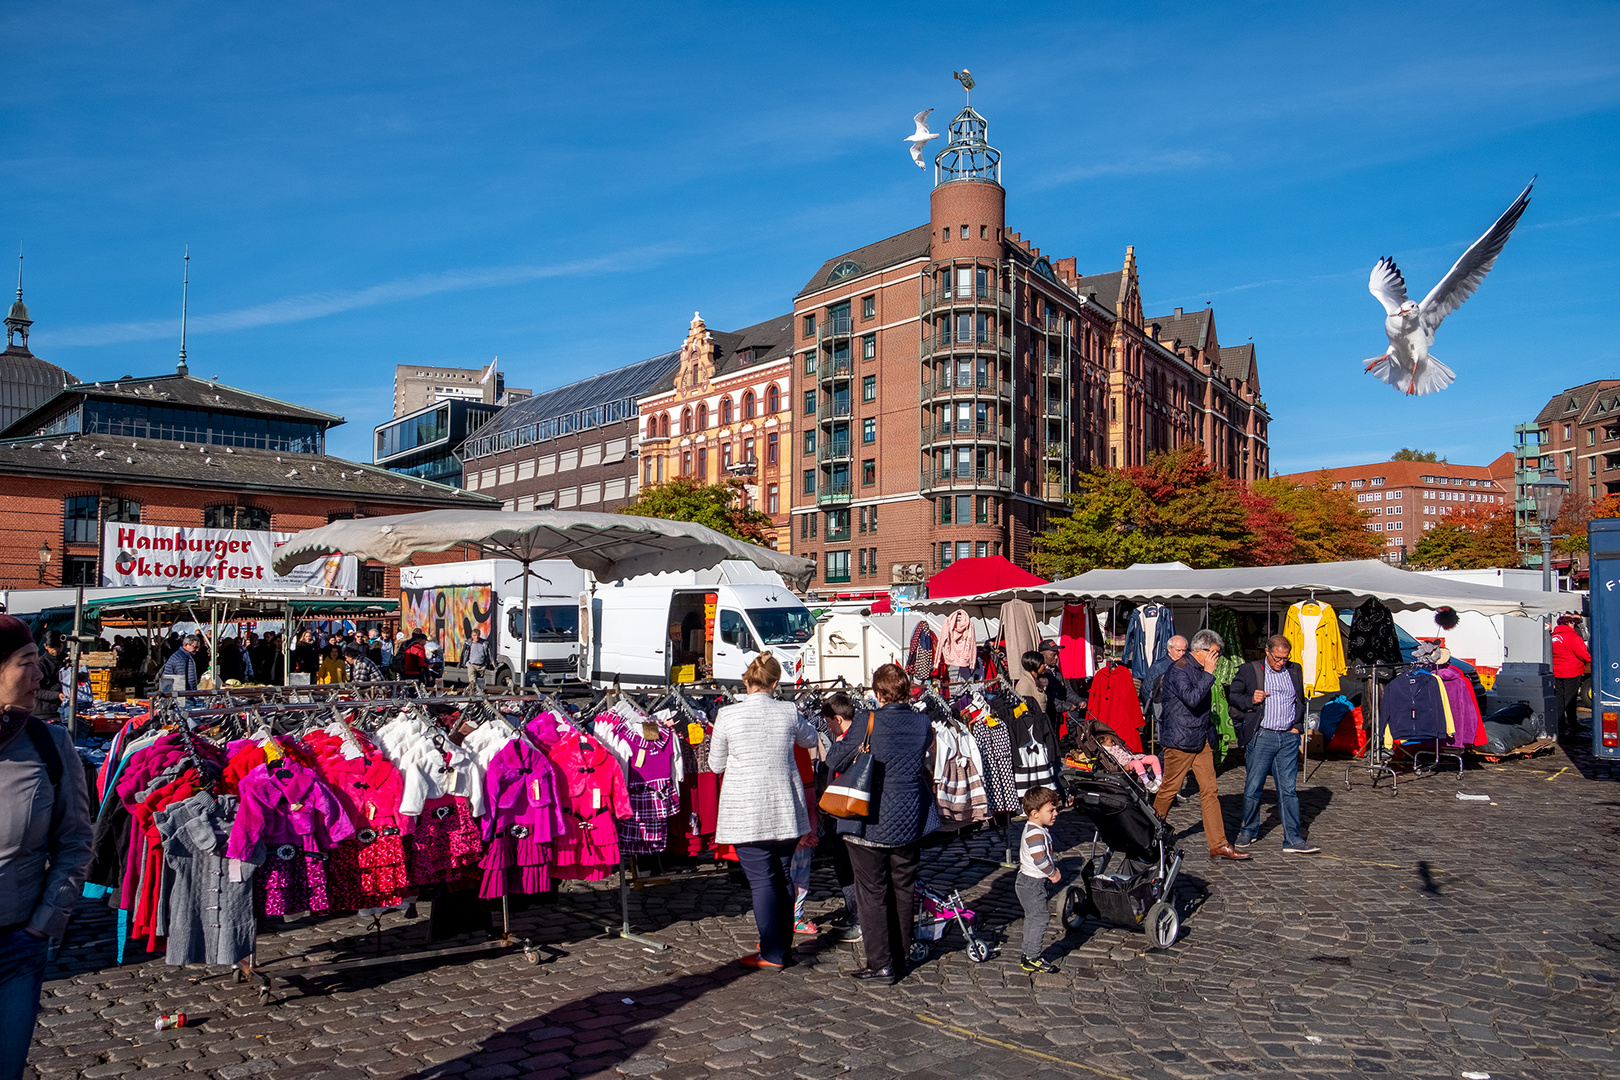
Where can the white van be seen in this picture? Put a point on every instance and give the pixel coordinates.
(653, 633)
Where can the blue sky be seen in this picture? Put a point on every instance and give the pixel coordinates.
(363, 185)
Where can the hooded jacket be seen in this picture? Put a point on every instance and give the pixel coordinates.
(956, 642)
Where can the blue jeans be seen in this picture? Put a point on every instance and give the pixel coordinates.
(22, 973)
(767, 865)
(1273, 753)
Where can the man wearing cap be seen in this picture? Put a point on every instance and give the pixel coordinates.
(361, 669)
(44, 840)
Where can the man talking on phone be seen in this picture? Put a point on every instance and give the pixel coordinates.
(1267, 699)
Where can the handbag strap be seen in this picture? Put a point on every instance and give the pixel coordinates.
(866, 744)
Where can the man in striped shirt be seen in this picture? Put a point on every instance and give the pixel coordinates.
(1267, 699)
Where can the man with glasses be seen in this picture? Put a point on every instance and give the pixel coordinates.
(1152, 683)
(1268, 703)
(1186, 728)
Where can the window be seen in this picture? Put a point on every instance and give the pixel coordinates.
(1397, 494)
(869, 307)
(686, 463)
(725, 410)
(725, 456)
(945, 234)
(837, 566)
(686, 420)
(703, 416)
(748, 405)
(804, 526)
(810, 441)
(873, 518)
(809, 326)
(748, 450)
(869, 471)
(1566, 431)
(1378, 481)
(771, 444)
(79, 570)
(837, 526)
(869, 430)
(1591, 436)
(809, 481)
(863, 520)
(981, 510)
(773, 500)
(663, 426)
(863, 562)
(773, 399)
(703, 463)
(869, 347)
(652, 427)
(964, 232)
(1358, 484)
(944, 511)
(981, 549)
(809, 403)
(964, 509)
(79, 519)
(810, 362)
(236, 517)
(869, 388)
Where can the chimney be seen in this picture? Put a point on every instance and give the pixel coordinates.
(1178, 311)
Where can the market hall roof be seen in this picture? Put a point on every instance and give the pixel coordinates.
(26, 383)
(169, 391)
(163, 463)
(897, 249)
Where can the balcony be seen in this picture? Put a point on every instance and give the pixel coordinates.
(742, 468)
(1052, 324)
(835, 409)
(838, 367)
(947, 385)
(977, 431)
(1053, 366)
(945, 339)
(933, 299)
(964, 476)
(835, 326)
(836, 491)
(835, 450)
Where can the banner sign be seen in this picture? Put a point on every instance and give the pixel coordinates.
(447, 614)
(161, 557)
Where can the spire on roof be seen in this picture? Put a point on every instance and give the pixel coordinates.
(968, 154)
(185, 291)
(17, 321)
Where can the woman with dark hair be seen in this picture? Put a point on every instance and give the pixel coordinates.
(762, 809)
(885, 847)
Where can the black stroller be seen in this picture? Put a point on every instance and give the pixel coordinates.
(1137, 891)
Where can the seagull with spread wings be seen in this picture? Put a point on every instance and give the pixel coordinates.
(920, 138)
(1408, 364)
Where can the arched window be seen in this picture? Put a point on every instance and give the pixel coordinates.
(703, 416)
(663, 426)
(773, 400)
(748, 405)
(652, 427)
(725, 410)
(686, 420)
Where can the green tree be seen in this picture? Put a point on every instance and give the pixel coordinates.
(722, 507)
(1174, 508)
(1408, 454)
(1324, 525)
(1476, 538)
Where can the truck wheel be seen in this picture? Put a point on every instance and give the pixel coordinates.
(503, 679)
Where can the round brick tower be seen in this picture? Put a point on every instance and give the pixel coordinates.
(968, 206)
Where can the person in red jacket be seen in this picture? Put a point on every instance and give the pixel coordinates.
(413, 663)
(1570, 658)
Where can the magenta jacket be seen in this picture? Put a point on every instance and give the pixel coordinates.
(295, 809)
(522, 789)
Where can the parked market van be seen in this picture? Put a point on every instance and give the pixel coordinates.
(447, 601)
(652, 633)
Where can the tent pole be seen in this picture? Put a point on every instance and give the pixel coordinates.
(523, 635)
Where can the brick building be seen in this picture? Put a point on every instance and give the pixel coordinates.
(724, 411)
(1408, 498)
(178, 451)
(574, 447)
(1580, 438)
(1030, 373)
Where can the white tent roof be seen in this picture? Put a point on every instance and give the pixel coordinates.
(1342, 584)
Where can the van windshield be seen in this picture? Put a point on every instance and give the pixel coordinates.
(554, 623)
(783, 625)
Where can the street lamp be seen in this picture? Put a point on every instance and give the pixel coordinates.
(1549, 492)
(44, 559)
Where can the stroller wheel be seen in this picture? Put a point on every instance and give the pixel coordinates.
(1074, 908)
(978, 951)
(1162, 925)
(920, 951)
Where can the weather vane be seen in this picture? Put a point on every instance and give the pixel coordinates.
(966, 79)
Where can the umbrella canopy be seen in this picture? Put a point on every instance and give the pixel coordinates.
(971, 577)
(610, 546)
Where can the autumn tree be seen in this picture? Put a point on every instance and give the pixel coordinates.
(1176, 508)
(1476, 538)
(1324, 525)
(723, 507)
(1577, 512)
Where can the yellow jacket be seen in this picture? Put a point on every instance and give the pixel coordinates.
(1329, 647)
(332, 671)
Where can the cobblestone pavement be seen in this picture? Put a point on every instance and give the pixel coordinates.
(1435, 937)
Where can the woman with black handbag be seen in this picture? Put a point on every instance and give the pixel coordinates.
(885, 846)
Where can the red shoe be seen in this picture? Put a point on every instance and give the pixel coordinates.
(754, 960)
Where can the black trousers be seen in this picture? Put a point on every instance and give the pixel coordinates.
(1569, 694)
(886, 894)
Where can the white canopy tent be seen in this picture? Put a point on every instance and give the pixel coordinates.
(1341, 584)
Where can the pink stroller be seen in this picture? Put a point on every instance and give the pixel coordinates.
(935, 912)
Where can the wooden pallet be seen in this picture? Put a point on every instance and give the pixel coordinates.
(1528, 750)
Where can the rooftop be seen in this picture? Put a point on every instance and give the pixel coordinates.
(737, 349)
(169, 391)
(897, 249)
(1404, 474)
(102, 459)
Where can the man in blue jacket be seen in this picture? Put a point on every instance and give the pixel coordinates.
(1187, 728)
(1268, 702)
(183, 661)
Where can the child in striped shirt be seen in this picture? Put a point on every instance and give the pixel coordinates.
(1037, 873)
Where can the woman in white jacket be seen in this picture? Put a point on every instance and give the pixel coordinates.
(762, 809)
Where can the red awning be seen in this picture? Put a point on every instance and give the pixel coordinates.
(881, 606)
(967, 577)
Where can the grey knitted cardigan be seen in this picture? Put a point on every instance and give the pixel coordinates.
(762, 797)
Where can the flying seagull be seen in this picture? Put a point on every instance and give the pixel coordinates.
(920, 138)
(1407, 364)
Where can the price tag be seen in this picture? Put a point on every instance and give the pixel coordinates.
(641, 757)
(596, 798)
(694, 733)
(1020, 709)
(534, 790)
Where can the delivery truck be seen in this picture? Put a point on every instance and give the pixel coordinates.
(676, 628)
(448, 601)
